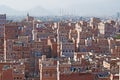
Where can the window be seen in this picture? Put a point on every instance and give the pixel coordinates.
(14, 78)
(66, 51)
(46, 74)
(69, 50)
(20, 77)
(63, 51)
(17, 77)
(72, 50)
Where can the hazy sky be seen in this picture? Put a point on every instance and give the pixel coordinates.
(91, 6)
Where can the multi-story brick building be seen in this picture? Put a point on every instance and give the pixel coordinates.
(2, 24)
(67, 49)
(106, 29)
(11, 71)
(2, 31)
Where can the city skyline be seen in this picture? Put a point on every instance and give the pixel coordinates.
(53, 40)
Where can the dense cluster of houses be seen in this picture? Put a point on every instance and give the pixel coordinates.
(66, 50)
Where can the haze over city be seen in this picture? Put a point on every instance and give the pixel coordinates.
(59, 40)
(58, 7)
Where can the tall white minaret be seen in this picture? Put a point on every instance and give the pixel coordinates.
(58, 41)
(34, 32)
(5, 52)
(58, 51)
(58, 70)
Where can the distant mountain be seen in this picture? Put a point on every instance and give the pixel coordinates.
(37, 11)
(9, 11)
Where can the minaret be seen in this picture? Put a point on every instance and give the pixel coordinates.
(58, 41)
(27, 16)
(118, 16)
(58, 51)
(5, 52)
(34, 32)
(70, 34)
(58, 70)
